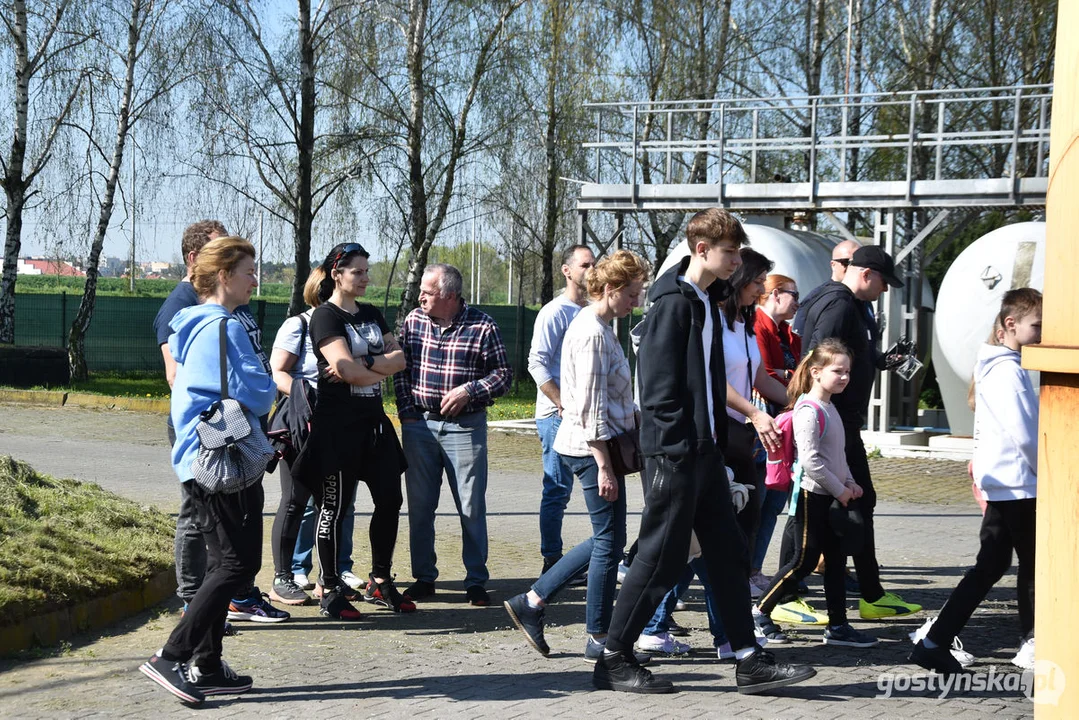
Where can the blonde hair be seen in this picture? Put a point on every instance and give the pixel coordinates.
(774, 282)
(820, 356)
(224, 253)
(618, 271)
(311, 287)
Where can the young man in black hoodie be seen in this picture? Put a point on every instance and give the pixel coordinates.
(839, 309)
(683, 434)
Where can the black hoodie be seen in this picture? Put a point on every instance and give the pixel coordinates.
(832, 311)
(671, 372)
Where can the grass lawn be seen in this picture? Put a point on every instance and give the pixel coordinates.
(63, 542)
(518, 404)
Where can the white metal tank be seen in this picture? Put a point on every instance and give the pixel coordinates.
(1009, 257)
(803, 256)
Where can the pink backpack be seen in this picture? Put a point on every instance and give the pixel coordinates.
(780, 465)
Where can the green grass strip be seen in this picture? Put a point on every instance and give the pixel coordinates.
(63, 542)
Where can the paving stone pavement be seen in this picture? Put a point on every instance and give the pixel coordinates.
(453, 660)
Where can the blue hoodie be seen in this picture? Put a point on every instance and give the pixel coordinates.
(1005, 426)
(195, 345)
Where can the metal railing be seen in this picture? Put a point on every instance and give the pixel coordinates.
(924, 135)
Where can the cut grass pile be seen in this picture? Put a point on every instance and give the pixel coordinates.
(63, 542)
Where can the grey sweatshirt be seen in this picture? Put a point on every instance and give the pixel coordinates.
(822, 457)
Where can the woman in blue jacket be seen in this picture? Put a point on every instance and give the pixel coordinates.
(190, 665)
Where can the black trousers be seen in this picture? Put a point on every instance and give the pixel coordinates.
(865, 562)
(811, 536)
(286, 523)
(232, 526)
(692, 498)
(1006, 526)
(739, 458)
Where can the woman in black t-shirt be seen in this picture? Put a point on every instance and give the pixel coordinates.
(351, 438)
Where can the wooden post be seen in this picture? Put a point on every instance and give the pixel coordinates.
(1057, 581)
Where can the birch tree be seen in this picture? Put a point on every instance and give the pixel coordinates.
(135, 75)
(46, 83)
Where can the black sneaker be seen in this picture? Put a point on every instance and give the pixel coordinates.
(549, 562)
(938, 659)
(335, 605)
(173, 677)
(760, 672)
(676, 630)
(387, 595)
(528, 620)
(285, 590)
(476, 595)
(593, 649)
(620, 672)
(420, 590)
(223, 681)
(847, 636)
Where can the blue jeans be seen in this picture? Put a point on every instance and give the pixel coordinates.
(661, 621)
(557, 486)
(599, 553)
(457, 446)
(772, 502)
(305, 541)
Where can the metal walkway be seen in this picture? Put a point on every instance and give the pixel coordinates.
(937, 148)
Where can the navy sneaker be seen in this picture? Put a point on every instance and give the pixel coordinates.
(529, 620)
(846, 636)
(172, 676)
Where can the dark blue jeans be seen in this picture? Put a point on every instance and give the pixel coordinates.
(600, 553)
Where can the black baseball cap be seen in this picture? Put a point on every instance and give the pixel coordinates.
(874, 258)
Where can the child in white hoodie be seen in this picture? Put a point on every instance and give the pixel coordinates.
(1006, 472)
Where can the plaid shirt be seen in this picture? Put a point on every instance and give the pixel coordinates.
(469, 352)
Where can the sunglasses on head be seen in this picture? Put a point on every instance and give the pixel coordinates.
(345, 251)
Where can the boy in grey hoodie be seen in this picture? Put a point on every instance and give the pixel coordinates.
(1006, 471)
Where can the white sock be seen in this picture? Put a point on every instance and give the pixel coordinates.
(744, 653)
(533, 605)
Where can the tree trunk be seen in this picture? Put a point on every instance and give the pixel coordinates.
(76, 344)
(551, 204)
(304, 215)
(13, 182)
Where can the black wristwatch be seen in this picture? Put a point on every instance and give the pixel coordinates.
(369, 360)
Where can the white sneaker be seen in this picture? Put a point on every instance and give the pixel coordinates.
(662, 644)
(962, 656)
(301, 580)
(348, 578)
(1025, 657)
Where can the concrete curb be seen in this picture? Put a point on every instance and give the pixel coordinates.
(58, 398)
(53, 627)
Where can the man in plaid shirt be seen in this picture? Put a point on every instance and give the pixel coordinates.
(455, 366)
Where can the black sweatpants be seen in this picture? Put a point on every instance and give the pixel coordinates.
(865, 562)
(739, 458)
(286, 523)
(231, 523)
(811, 536)
(695, 497)
(1007, 525)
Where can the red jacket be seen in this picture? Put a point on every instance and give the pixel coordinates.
(768, 336)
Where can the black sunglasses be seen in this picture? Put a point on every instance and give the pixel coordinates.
(345, 251)
(792, 293)
(845, 262)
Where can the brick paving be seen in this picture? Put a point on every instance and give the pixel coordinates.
(452, 660)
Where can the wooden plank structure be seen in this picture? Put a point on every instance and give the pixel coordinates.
(1057, 579)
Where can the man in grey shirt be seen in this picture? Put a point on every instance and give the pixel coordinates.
(544, 365)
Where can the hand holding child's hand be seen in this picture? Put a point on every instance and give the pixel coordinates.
(846, 497)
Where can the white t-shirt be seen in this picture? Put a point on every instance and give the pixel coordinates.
(735, 344)
(706, 343)
(288, 339)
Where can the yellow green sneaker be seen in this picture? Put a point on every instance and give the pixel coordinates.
(889, 606)
(798, 612)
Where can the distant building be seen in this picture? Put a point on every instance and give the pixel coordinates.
(44, 266)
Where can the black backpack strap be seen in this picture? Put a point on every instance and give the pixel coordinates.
(303, 336)
(224, 359)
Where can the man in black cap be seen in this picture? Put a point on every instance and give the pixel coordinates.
(840, 310)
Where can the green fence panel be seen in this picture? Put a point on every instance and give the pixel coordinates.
(121, 335)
